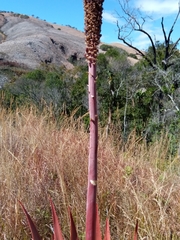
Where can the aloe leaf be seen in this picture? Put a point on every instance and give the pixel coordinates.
(107, 235)
(73, 233)
(56, 226)
(98, 228)
(136, 231)
(34, 231)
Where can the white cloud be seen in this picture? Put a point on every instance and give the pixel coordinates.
(109, 17)
(164, 7)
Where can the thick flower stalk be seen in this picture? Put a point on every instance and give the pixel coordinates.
(93, 20)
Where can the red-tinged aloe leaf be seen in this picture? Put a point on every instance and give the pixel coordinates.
(73, 234)
(98, 228)
(107, 235)
(34, 231)
(56, 226)
(136, 231)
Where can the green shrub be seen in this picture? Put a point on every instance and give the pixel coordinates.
(24, 16)
(53, 80)
(38, 75)
(105, 47)
(132, 55)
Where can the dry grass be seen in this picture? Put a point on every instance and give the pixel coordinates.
(39, 160)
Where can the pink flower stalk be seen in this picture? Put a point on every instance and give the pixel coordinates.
(93, 20)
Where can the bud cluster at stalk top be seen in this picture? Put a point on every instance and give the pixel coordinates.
(93, 20)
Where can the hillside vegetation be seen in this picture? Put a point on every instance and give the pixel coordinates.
(130, 97)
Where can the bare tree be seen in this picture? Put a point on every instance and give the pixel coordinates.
(134, 21)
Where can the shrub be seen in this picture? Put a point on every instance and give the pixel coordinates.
(132, 55)
(105, 47)
(38, 75)
(24, 16)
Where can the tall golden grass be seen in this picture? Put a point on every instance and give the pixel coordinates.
(40, 160)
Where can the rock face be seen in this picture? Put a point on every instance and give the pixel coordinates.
(31, 42)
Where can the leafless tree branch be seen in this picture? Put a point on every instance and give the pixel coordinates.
(133, 47)
(134, 22)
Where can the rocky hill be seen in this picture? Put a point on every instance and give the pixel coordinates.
(30, 42)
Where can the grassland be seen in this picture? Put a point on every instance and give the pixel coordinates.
(39, 160)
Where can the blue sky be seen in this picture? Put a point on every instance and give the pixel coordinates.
(70, 12)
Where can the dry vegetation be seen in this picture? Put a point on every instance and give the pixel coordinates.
(40, 160)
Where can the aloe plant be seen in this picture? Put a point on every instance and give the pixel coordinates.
(93, 20)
